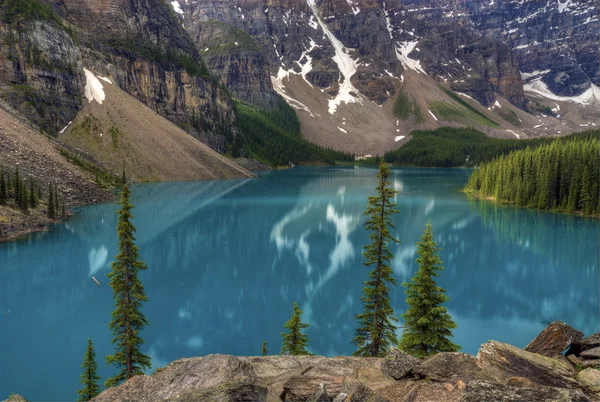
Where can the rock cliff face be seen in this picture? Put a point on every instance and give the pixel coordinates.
(140, 45)
(41, 73)
(478, 47)
(500, 372)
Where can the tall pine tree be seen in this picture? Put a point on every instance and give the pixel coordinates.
(294, 341)
(128, 293)
(427, 324)
(376, 331)
(50, 211)
(3, 188)
(89, 378)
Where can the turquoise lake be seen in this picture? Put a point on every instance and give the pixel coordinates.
(227, 259)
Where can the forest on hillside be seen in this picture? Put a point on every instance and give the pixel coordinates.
(273, 137)
(454, 147)
(561, 176)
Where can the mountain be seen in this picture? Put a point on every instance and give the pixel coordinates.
(362, 74)
(359, 74)
(123, 133)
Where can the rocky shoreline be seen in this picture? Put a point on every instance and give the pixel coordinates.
(558, 365)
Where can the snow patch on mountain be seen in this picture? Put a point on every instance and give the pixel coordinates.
(279, 87)
(177, 7)
(344, 61)
(93, 88)
(403, 50)
(537, 86)
(354, 7)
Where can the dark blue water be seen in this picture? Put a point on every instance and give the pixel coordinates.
(227, 259)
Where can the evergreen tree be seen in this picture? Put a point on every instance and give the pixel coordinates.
(3, 189)
(56, 205)
(23, 199)
(63, 212)
(50, 211)
(89, 378)
(123, 177)
(128, 293)
(32, 199)
(427, 324)
(17, 185)
(264, 348)
(376, 331)
(294, 341)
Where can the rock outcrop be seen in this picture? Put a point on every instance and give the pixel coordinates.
(500, 372)
(554, 340)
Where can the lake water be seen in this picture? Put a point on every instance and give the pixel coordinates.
(227, 259)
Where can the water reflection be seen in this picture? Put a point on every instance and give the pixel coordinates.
(227, 259)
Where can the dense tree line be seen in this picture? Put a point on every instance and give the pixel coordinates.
(274, 138)
(26, 195)
(561, 176)
(453, 147)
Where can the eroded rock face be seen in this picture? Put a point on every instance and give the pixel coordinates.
(41, 73)
(141, 46)
(554, 339)
(502, 361)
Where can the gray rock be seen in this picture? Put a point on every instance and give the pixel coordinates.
(451, 367)
(358, 392)
(502, 361)
(593, 353)
(397, 364)
(590, 379)
(341, 397)
(590, 363)
(320, 395)
(479, 391)
(554, 339)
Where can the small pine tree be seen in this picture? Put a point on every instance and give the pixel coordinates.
(17, 184)
(32, 199)
(427, 324)
(3, 189)
(39, 192)
(264, 348)
(294, 341)
(376, 331)
(89, 378)
(50, 211)
(23, 199)
(63, 211)
(128, 294)
(56, 205)
(123, 177)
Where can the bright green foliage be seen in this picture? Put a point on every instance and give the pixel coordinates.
(427, 324)
(376, 331)
(264, 348)
(294, 341)
(50, 211)
(128, 294)
(561, 176)
(89, 378)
